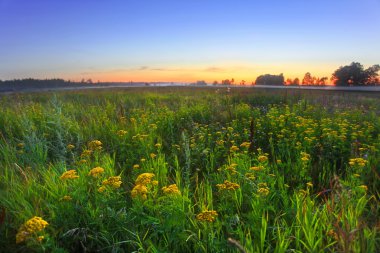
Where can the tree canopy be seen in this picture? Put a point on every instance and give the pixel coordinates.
(271, 79)
(355, 75)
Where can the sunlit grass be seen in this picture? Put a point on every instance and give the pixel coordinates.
(196, 171)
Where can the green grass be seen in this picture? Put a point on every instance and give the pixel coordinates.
(277, 167)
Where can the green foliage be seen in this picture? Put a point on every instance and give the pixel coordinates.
(197, 171)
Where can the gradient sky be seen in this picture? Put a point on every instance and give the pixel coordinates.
(185, 40)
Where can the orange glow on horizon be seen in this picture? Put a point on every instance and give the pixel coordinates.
(248, 73)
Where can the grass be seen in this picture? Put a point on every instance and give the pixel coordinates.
(190, 170)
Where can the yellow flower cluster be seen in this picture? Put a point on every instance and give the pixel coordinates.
(70, 146)
(29, 228)
(95, 145)
(232, 168)
(263, 189)
(114, 182)
(144, 178)
(96, 172)
(140, 189)
(121, 133)
(86, 153)
(262, 158)
(66, 198)
(256, 168)
(245, 144)
(305, 156)
(208, 216)
(227, 185)
(234, 148)
(70, 174)
(171, 190)
(357, 161)
(250, 176)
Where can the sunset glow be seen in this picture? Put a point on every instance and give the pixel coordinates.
(184, 41)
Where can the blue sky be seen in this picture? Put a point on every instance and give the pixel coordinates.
(184, 40)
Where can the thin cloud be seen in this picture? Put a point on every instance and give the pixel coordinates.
(214, 69)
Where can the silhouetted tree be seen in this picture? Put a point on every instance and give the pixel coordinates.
(271, 79)
(355, 75)
(242, 82)
(308, 79)
(215, 83)
(322, 81)
(226, 82)
(296, 81)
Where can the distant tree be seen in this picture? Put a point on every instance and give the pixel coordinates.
(355, 75)
(226, 82)
(323, 80)
(269, 79)
(296, 81)
(308, 79)
(215, 82)
(242, 82)
(232, 81)
(201, 82)
(289, 81)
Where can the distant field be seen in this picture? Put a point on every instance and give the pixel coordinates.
(187, 169)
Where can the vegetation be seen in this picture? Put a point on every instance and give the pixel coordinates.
(355, 75)
(190, 170)
(270, 79)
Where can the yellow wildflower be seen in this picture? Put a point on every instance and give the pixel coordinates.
(357, 161)
(139, 191)
(227, 185)
(263, 191)
(40, 238)
(30, 228)
(70, 174)
(171, 189)
(136, 166)
(95, 172)
(157, 145)
(121, 133)
(154, 182)
(101, 189)
(234, 148)
(86, 153)
(66, 198)
(208, 216)
(70, 146)
(95, 145)
(364, 187)
(245, 144)
(153, 155)
(144, 178)
(309, 184)
(250, 176)
(262, 158)
(82, 161)
(256, 168)
(114, 182)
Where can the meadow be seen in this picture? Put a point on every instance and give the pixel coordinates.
(190, 170)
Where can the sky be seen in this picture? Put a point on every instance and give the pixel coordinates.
(185, 40)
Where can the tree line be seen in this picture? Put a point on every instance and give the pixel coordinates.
(350, 75)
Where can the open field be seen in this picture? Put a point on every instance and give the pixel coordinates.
(181, 169)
